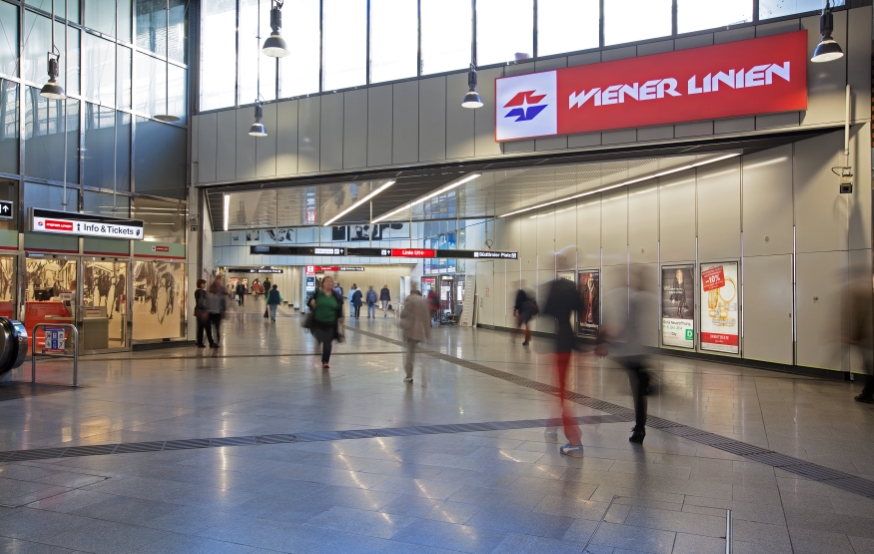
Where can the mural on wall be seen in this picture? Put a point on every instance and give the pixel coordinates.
(678, 299)
(159, 302)
(47, 279)
(383, 231)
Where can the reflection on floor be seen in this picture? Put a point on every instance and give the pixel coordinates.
(450, 490)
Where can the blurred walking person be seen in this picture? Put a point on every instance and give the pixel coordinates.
(385, 298)
(241, 293)
(371, 303)
(416, 324)
(524, 310)
(327, 307)
(274, 299)
(218, 303)
(355, 300)
(858, 307)
(201, 313)
(563, 300)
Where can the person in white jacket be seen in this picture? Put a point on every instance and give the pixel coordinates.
(416, 323)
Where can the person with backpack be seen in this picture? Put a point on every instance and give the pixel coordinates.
(385, 298)
(327, 320)
(274, 299)
(356, 298)
(201, 313)
(371, 303)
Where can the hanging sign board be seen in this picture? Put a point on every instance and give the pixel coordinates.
(76, 224)
(7, 209)
(750, 77)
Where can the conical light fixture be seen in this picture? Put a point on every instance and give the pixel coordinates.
(275, 46)
(258, 129)
(828, 49)
(52, 90)
(472, 99)
(167, 117)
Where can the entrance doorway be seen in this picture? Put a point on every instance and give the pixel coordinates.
(104, 304)
(50, 283)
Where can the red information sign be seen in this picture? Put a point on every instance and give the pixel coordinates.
(55, 225)
(719, 339)
(413, 252)
(758, 76)
(713, 278)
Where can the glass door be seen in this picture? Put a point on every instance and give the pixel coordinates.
(104, 304)
(49, 291)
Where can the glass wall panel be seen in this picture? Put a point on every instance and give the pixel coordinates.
(45, 281)
(439, 54)
(176, 34)
(104, 128)
(250, 53)
(505, 30)
(159, 300)
(151, 84)
(163, 221)
(98, 69)
(104, 288)
(125, 20)
(72, 60)
(633, 20)
(178, 92)
(39, 42)
(100, 16)
(60, 8)
(8, 39)
(564, 26)
(695, 15)
(159, 168)
(152, 25)
(394, 39)
(779, 8)
(344, 24)
(50, 197)
(8, 126)
(123, 159)
(123, 88)
(105, 204)
(217, 54)
(44, 137)
(299, 72)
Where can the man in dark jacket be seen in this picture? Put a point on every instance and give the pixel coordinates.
(524, 309)
(241, 292)
(385, 298)
(563, 300)
(356, 302)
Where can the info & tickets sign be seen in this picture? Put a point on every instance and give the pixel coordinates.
(719, 308)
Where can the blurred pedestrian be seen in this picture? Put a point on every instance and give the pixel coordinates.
(274, 299)
(355, 300)
(371, 303)
(201, 313)
(858, 330)
(434, 304)
(241, 292)
(562, 301)
(327, 307)
(524, 309)
(218, 303)
(416, 324)
(385, 298)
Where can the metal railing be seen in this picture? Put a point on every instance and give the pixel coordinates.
(75, 355)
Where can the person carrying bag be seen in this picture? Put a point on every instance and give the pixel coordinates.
(274, 299)
(327, 318)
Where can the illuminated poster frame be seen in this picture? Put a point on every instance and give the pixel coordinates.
(678, 306)
(583, 327)
(720, 307)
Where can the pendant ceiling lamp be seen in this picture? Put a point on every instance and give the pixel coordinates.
(52, 90)
(828, 49)
(258, 129)
(472, 99)
(167, 116)
(275, 46)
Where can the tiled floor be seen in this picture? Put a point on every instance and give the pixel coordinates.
(486, 491)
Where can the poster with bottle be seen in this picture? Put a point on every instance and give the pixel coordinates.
(719, 308)
(678, 301)
(590, 293)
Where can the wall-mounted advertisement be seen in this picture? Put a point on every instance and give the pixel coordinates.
(719, 308)
(590, 291)
(678, 301)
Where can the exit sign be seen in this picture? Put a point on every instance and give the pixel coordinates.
(7, 209)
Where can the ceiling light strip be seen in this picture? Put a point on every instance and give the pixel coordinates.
(429, 196)
(226, 199)
(359, 203)
(625, 183)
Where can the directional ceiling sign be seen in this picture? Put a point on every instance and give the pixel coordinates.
(7, 209)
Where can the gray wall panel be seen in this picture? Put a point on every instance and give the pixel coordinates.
(860, 264)
(818, 302)
(518, 146)
(405, 122)
(583, 59)
(245, 144)
(614, 293)
(618, 53)
(550, 64)
(734, 125)
(826, 81)
(586, 139)
(663, 132)
(774, 121)
(860, 200)
(566, 229)
(817, 195)
(776, 28)
(694, 41)
(643, 223)
(619, 137)
(648, 278)
(355, 129)
(733, 35)
(265, 147)
(432, 119)
(767, 202)
(589, 233)
(484, 118)
(719, 218)
(552, 143)
(379, 125)
(655, 48)
(331, 133)
(309, 126)
(695, 129)
(528, 244)
(286, 138)
(614, 227)
(859, 61)
(459, 121)
(677, 217)
(206, 147)
(226, 146)
(767, 305)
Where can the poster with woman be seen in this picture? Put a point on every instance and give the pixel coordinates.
(678, 301)
(719, 308)
(590, 291)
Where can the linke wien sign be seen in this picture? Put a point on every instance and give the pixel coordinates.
(758, 76)
(76, 224)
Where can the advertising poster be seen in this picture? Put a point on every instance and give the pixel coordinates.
(590, 291)
(678, 301)
(719, 308)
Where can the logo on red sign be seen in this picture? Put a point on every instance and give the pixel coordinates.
(156, 248)
(413, 252)
(55, 225)
(763, 75)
